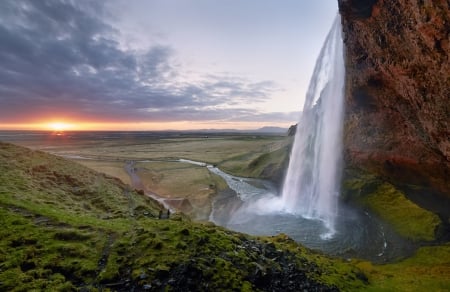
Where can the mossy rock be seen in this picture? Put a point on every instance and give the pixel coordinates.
(408, 219)
(391, 205)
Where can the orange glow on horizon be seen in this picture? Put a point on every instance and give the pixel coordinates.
(136, 126)
(60, 126)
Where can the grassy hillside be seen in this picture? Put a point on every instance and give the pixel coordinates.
(271, 164)
(66, 227)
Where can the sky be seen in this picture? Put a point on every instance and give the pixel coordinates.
(157, 64)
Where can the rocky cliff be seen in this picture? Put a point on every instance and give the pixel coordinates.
(398, 89)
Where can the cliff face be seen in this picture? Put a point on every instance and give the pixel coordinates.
(398, 89)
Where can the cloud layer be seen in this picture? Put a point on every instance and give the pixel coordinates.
(65, 58)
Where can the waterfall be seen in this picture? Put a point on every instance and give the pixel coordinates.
(311, 186)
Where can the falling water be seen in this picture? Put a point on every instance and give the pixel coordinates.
(311, 186)
(307, 209)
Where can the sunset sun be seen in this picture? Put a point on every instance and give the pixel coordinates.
(59, 126)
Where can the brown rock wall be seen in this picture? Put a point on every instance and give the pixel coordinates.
(398, 89)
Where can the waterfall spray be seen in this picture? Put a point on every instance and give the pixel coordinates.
(307, 209)
(311, 186)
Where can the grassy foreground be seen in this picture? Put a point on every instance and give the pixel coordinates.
(66, 227)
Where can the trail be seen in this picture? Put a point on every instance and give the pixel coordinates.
(111, 238)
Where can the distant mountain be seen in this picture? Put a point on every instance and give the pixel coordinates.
(272, 130)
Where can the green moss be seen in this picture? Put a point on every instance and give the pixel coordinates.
(408, 219)
(427, 270)
(390, 204)
(44, 257)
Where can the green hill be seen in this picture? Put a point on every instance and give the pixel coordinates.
(66, 227)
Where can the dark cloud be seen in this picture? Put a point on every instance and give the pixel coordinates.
(64, 56)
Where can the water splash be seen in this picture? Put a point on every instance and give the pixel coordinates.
(311, 186)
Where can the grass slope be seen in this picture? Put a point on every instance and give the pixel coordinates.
(269, 164)
(427, 270)
(66, 227)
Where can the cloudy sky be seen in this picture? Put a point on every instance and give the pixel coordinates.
(158, 64)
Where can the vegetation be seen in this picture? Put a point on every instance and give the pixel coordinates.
(67, 227)
(111, 168)
(266, 162)
(408, 219)
(427, 270)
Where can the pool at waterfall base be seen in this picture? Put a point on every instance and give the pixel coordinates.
(244, 207)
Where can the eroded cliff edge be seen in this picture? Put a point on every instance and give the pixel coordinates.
(398, 90)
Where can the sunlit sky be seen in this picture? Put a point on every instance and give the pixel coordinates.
(157, 64)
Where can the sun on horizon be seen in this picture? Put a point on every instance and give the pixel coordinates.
(59, 126)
